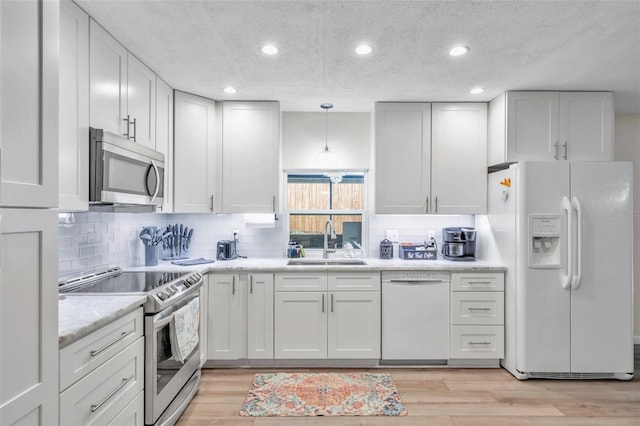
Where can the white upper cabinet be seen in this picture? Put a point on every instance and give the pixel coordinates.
(430, 158)
(108, 79)
(402, 157)
(197, 154)
(459, 152)
(141, 102)
(122, 89)
(74, 108)
(586, 125)
(250, 157)
(548, 126)
(29, 109)
(164, 138)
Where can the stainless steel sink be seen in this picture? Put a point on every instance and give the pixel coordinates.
(323, 262)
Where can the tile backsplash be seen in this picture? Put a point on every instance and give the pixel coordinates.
(91, 241)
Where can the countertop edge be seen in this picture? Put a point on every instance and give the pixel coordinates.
(79, 316)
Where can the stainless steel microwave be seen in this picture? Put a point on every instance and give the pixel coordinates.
(124, 172)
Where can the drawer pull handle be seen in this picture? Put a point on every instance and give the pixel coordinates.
(480, 282)
(108, 345)
(479, 309)
(479, 343)
(96, 407)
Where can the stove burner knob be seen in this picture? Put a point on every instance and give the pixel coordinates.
(163, 296)
(174, 288)
(186, 283)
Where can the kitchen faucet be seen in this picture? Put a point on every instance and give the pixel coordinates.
(325, 250)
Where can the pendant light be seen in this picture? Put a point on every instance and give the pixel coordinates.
(326, 158)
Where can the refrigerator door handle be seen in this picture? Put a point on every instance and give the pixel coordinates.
(577, 278)
(567, 279)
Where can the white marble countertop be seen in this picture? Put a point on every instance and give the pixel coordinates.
(372, 264)
(80, 315)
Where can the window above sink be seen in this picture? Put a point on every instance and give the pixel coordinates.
(315, 197)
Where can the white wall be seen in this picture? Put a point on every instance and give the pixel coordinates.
(348, 136)
(627, 148)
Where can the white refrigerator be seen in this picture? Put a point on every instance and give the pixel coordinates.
(564, 231)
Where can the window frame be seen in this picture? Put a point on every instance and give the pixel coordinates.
(317, 252)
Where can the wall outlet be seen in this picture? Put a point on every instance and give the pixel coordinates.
(393, 235)
(235, 235)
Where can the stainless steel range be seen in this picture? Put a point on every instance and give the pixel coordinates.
(169, 383)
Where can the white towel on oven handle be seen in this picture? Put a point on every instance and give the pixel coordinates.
(184, 331)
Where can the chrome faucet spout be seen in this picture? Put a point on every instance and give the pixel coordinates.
(328, 228)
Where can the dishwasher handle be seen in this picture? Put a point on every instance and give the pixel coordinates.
(417, 281)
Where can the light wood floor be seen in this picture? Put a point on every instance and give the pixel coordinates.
(438, 396)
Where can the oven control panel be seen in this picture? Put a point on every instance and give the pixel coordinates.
(177, 288)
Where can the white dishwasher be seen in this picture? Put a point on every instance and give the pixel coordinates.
(415, 316)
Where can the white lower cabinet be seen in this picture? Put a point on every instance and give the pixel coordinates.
(102, 376)
(239, 321)
(224, 319)
(260, 317)
(477, 317)
(334, 315)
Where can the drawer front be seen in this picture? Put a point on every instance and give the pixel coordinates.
(102, 394)
(477, 342)
(482, 281)
(132, 415)
(301, 281)
(477, 308)
(85, 355)
(357, 281)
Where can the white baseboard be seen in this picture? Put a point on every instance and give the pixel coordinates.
(636, 340)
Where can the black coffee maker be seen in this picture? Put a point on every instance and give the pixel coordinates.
(459, 243)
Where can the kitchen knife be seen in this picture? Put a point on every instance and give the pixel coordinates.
(188, 244)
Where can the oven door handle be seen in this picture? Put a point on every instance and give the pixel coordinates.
(161, 323)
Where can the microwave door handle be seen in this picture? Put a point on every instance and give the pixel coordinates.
(157, 172)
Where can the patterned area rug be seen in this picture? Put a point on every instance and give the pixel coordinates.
(323, 394)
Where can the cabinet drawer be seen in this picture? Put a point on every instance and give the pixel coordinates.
(482, 281)
(301, 281)
(477, 307)
(102, 394)
(85, 355)
(477, 342)
(357, 281)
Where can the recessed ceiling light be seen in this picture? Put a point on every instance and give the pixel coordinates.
(230, 90)
(458, 50)
(269, 49)
(363, 49)
(476, 90)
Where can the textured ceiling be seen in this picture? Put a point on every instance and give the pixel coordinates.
(203, 46)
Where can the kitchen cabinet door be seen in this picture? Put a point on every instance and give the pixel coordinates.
(224, 317)
(260, 317)
(197, 155)
(354, 325)
(459, 152)
(164, 138)
(29, 32)
(29, 312)
(251, 166)
(402, 157)
(586, 126)
(108, 81)
(141, 102)
(532, 126)
(300, 325)
(73, 159)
